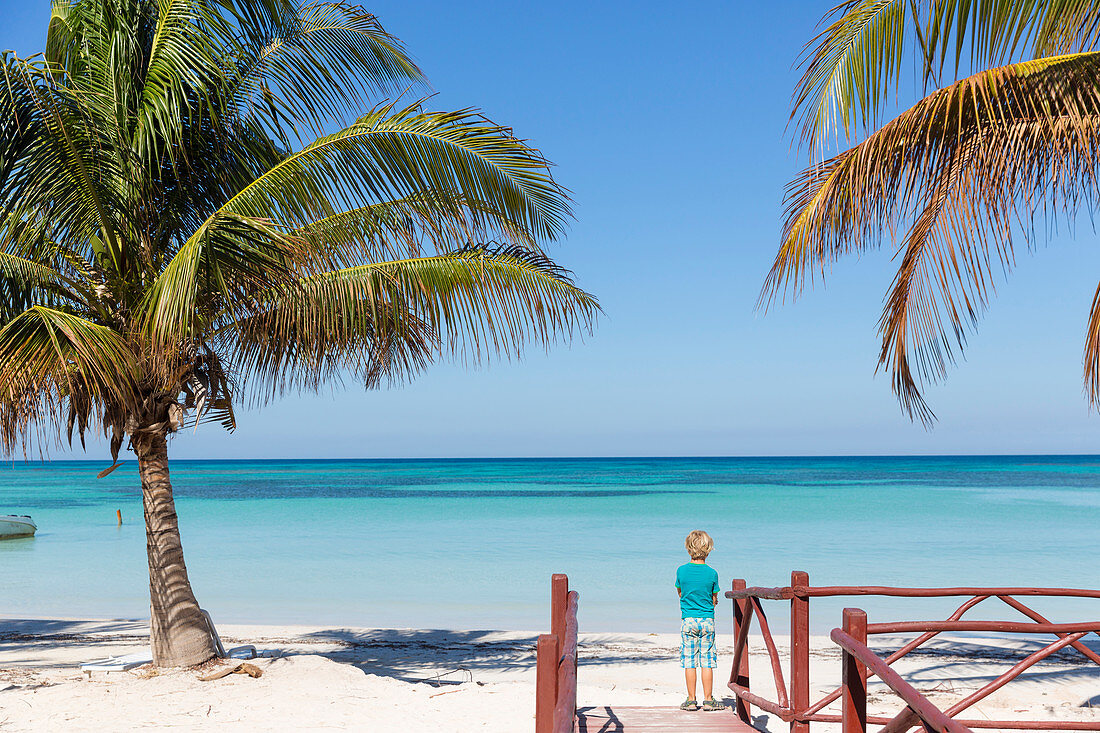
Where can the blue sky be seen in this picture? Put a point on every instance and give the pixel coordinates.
(667, 122)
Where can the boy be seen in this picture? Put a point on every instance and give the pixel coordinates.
(697, 584)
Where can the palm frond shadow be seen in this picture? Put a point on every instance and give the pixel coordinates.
(427, 655)
(34, 643)
(960, 662)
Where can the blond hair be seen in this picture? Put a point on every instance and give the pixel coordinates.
(699, 545)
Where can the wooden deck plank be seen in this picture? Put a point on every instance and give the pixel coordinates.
(616, 719)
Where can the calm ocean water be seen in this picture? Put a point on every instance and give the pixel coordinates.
(471, 543)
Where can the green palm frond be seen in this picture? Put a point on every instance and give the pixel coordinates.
(21, 126)
(475, 175)
(391, 154)
(404, 228)
(24, 283)
(390, 318)
(184, 70)
(319, 62)
(21, 272)
(226, 262)
(69, 173)
(48, 344)
(47, 356)
(488, 300)
(322, 328)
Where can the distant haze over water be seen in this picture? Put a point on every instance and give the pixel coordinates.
(472, 543)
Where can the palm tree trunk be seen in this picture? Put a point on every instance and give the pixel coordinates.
(178, 633)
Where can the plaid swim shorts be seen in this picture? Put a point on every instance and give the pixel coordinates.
(697, 643)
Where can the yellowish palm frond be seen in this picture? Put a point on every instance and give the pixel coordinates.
(853, 67)
(958, 172)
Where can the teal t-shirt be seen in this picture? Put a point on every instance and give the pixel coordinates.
(698, 583)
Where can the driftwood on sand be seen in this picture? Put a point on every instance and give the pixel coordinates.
(237, 668)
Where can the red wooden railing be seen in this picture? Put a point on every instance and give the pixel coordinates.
(859, 662)
(556, 662)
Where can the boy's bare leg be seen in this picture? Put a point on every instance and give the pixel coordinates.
(689, 677)
(708, 683)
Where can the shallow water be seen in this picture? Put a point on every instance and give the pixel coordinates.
(471, 543)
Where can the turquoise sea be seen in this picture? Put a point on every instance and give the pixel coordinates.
(472, 543)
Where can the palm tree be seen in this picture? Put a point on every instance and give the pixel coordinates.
(174, 242)
(960, 175)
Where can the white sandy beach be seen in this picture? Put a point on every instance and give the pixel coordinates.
(418, 680)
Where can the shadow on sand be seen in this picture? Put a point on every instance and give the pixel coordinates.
(447, 657)
(444, 657)
(41, 643)
(976, 662)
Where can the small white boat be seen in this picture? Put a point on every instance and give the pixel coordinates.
(12, 526)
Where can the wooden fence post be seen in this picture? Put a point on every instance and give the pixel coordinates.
(800, 651)
(853, 709)
(559, 598)
(741, 676)
(547, 658)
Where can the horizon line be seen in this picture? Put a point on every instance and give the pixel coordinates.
(585, 458)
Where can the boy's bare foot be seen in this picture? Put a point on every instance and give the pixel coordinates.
(712, 704)
(689, 704)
